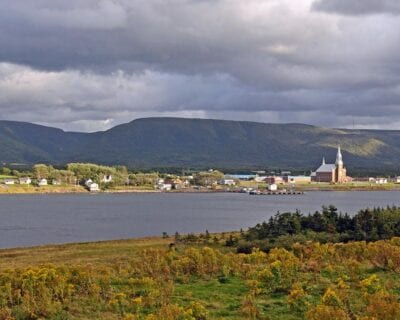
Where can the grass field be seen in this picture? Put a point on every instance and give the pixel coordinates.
(20, 189)
(2, 176)
(321, 186)
(147, 279)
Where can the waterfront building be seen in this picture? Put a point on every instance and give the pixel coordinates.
(42, 182)
(25, 180)
(9, 181)
(297, 179)
(335, 172)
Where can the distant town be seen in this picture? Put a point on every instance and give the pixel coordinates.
(86, 177)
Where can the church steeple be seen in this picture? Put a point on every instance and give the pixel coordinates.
(339, 157)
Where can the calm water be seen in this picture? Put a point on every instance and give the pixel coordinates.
(27, 220)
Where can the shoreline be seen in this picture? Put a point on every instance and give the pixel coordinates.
(58, 191)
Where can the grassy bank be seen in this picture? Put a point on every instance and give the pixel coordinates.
(322, 186)
(354, 186)
(31, 189)
(149, 279)
(27, 189)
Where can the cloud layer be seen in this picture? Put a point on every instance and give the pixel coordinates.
(88, 65)
(359, 7)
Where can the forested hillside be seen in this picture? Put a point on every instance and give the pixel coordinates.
(174, 142)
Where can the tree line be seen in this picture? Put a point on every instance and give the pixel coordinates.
(327, 225)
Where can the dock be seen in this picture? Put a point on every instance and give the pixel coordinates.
(276, 193)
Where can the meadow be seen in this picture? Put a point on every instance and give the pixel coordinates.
(199, 277)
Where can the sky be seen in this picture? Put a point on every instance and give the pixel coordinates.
(88, 65)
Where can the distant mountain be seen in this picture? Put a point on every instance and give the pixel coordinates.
(176, 142)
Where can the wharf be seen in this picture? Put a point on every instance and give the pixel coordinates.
(276, 193)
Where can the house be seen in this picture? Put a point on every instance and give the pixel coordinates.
(244, 177)
(258, 178)
(9, 181)
(297, 179)
(381, 180)
(94, 187)
(107, 178)
(227, 182)
(176, 183)
(274, 180)
(331, 172)
(397, 179)
(88, 182)
(25, 180)
(56, 182)
(165, 187)
(42, 182)
(363, 179)
(272, 187)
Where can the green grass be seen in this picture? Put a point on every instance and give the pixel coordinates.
(2, 176)
(119, 262)
(22, 188)
(222, 299)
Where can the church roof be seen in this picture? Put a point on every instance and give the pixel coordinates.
(326, 167)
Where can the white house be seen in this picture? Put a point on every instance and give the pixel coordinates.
(297, 179)
(94, 187)
(9, 181)
(88, 182)
(259, 178)
(166, 187)
(107, 178)
(397, 179)
(25, 180)
(55, 182)
(42, 182)
(381, 180)
(227, 182)
(272, 187)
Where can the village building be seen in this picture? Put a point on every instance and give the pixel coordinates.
(94, 187)
(258, 178)
(297, 179)
(274, 180)
(333, 173)
(107, 178)
(176, 183)
(165, 187)
(227, 182)
(42, 182)
(397, 180)
(381, 180)
(88, 182)
(9, 181)
(25, 180)
(272, 187)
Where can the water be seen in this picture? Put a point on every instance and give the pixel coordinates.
(27, 220)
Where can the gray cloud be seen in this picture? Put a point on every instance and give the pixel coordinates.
(358, 7)
(88, 65)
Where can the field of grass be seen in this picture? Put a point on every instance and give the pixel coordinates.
(2, 176)
(149, 279)
(321, 186)
(20, 189)
(348, 186)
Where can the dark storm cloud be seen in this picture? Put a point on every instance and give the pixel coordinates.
(87, 65)
(358, 7)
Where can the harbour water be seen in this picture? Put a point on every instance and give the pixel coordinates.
(28, 220)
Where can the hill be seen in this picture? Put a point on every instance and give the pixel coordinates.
(177, 142)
